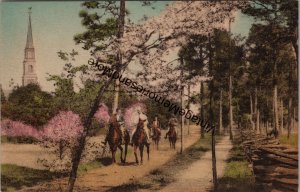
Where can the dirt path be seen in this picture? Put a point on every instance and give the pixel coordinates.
(104, 178)
(107, 177)
(27, 155)
(198, 177)
(23, 155)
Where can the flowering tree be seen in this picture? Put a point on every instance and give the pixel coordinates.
(60, 135)
(146, 42)
(12, 128)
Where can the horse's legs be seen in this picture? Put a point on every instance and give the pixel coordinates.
(126, 147)
(113, 153)
(141, 152)
(148, 150)
(121, 149)
(136, 158)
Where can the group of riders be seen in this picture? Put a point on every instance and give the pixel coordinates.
(142, 117)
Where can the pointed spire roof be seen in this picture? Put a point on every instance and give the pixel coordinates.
(29, 42)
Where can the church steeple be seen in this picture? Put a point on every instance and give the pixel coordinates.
(29, 64)
(29, 42)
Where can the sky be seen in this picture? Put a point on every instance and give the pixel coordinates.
(54, 24)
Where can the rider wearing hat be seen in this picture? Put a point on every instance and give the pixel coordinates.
(142, 117)
(120, 120)
(172, 123)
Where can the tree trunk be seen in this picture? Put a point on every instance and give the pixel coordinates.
(255, 101)
(255, 109)
(182, 106)
(121, 24)
(275, 100)
(281, 116)
(266, 127)
(202, 107)
(230, 108)
(214, 163)
(220, 113)
(289, 116)
(230, 88)
(182, 121)
(257, 122)
(116, 96)
(213, 141)
(251, 111)
(211, 116)
(290, 83)
(188, 121)
(77, 153)
(294, 118)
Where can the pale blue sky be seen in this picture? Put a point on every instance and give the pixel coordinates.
(54, 25)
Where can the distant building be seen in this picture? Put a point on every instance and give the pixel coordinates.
(29, 63)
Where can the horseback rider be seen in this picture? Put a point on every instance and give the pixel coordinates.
(172, 123)
(142, 117)
(156, 124)
(120, 121)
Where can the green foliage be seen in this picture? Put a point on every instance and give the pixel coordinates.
(3, 98)
(100, 25)
(85, 167)
(237, 175)
(293, 140)
(29, 104)
(215, 57)
(163, 114)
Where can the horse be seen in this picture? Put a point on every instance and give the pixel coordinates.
(139, 140)
(115, 139)
(156, 135)
(172, 136)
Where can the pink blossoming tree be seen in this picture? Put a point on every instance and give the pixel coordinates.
(60, 135)
(12, 128)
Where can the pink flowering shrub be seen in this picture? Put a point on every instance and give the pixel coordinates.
(131, 115)
(102, 115)
(64, 126)
(60, 135)
(12, 128)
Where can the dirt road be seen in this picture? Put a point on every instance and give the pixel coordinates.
(198, 177)
(27, 155)
(104, 178)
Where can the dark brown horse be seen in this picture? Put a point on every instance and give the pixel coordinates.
(139, 140)
(172, 136)
(156, 134)
(115, 139)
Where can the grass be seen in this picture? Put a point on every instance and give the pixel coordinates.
(238, 176)
(293, 140)
(85, 167)
(158, 178)
(13, 177)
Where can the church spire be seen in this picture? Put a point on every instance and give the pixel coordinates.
(29, 42)
(29, 64)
